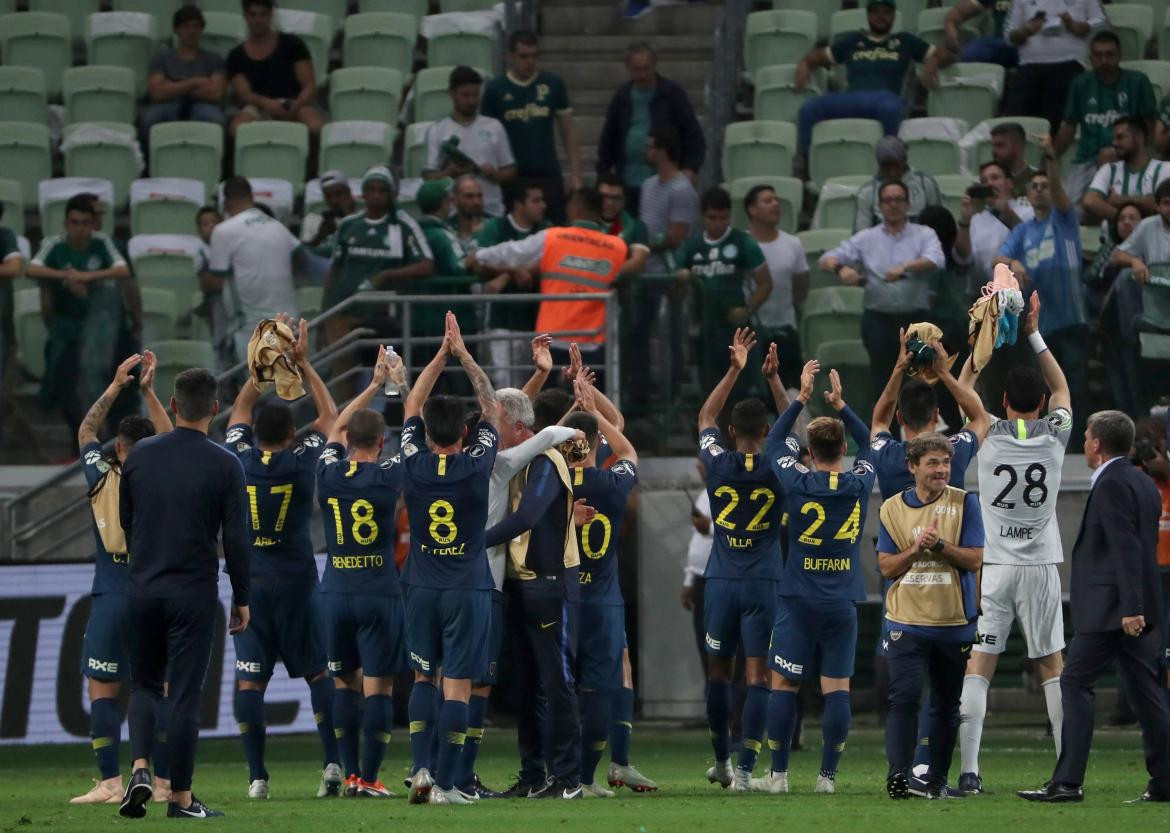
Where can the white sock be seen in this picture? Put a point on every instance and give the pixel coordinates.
(1055, 705)
(972, 713)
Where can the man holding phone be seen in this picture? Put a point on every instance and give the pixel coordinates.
(987, 214)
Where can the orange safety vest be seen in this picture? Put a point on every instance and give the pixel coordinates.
(578, 260)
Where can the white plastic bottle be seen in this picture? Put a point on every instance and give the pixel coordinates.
(391, 386)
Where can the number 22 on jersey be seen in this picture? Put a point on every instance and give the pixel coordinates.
(762, 495)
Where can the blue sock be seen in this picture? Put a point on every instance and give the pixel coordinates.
(161, 755)
(250, 717)
(719, 717)
(376, 726)
(453, 732)
(622, 726)
(347, 710)
(755, 715)
(465, 770)
(595, 725)
(422, 710)
(321, 696)
(781, 723)
(105, 728)
(835, 729)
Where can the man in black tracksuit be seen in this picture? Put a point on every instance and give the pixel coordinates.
(178, 492)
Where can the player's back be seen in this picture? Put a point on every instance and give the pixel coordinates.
(447, 506)
(280, 502)
(746, 509)
(888, 456)
(1019, 479)
(599, 540)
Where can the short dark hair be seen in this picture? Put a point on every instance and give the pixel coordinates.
(522, 37)
(82, 203)
(247, 4)
(897, 183)
(237, 188)
(640, 46)
(612, 179)
(1105, 35)
(133, 428)
(365, 428)
(749, 418)
(443, 418)
(917, 403)
(462, 75)
(1010, 128)
(1114, 429)
(195, 390)
(274, 423)
(753, 194)
(589, 200)
(666, 139)
(927, 443)
(826, 435)
(1134, 123)
(1024, 388)
(1162, 191)
(549, 407)
(991, 163)
(207, 209)
(715, 199)
(585, 423)
(517, 190)
(1037, 174)
(185, 14)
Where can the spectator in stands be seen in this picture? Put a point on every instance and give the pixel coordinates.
(211, 310)
(1008, 145)
(1150, 241)
(1132, 178)
(469, 214)
(891, 262)
(1045, 255)
(991, 50)
(1053, 42)
(92, 308)
(466, 142)
(1162, 128)
(272, 74)
(646, 102)
(670, 210)
(11, 267)
(987, 214)
(893, 165)
(1096, 100)
(1114, 304)
(186, 82)
(949, 299)
(513, 323)
(253, 254)
(620, 222)
(876, 63)
(435, 202)
(318, 230)
(787, 262)
(527, 101)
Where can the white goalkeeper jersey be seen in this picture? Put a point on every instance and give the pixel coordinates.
(1020, 466)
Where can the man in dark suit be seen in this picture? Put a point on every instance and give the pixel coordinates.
(1116, 611)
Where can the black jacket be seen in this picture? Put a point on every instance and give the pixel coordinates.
(1115, 560)
(670, 107)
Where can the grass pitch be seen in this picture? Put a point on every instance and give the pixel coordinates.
(36, 783)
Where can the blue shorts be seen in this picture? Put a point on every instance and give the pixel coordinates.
(495, 640)
(103, 652)
(285, 626)
(448, 629)
(601, 638)
(363, 631)
(737, 610)
(808, 630)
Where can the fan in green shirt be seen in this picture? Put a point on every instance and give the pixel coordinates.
(620, 222)
(451, 274)
(11, 265)
(525, 217)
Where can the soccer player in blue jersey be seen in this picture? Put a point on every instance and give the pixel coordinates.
(281, 478)
(743, 572)
(360, 594)
(603, 614)
(816, 615)
(104, 658)
(448, 582)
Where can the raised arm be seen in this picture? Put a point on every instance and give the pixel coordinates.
(1060, 200)
(244, 405)
(156, 409)
(604, 403)
(741, 344)
(622, 448)
(382, 371)
(857, 429)
(883, 409)
(322, 399)
(783, 426)
(97, 413)
(542, 366)
(484, 392)
(426, 381)
(978, 422)
(1058, 396)
(771, 371)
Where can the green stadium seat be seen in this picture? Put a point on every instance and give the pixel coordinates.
(849, 358)
(159, 311)
(187, 150)
(223, 31)
(836, 204)
(309, 300)
(353, 147)
(778, 37)
(1164, 37)
(372, 93)
(380, 39)
(166, 262)
(75, 10)
(446, 6)
(221, 6)
(7, 6)
(953, 187)
(12, 203)
(846, 21)
(840, 147)
(831, 314)
(1154, 323)
(981, 147)
(272, 149)
(789, 190)
(1090, 240)
(816, 242)
(335, 10)
(933, 144)
(120, 39)
(316, 30)
(104, 156)
(473, 49)
(164, 10)
(25, 156)
(99, 93)
(414, 149)
(1134, 25)
(165, 205)
(432, 101)
(823, 9)
(757, 148)
(968, 91)
(776, 97)
(176, 356)
(53, 194)
(22, 95)
(31, 333)
(39, 40)
(416, 8)
(1157, 71)
(931, 29)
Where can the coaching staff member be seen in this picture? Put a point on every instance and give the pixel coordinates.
(178, 491)
(1116, 611)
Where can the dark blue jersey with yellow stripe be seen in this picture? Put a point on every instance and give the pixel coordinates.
(599, 540)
